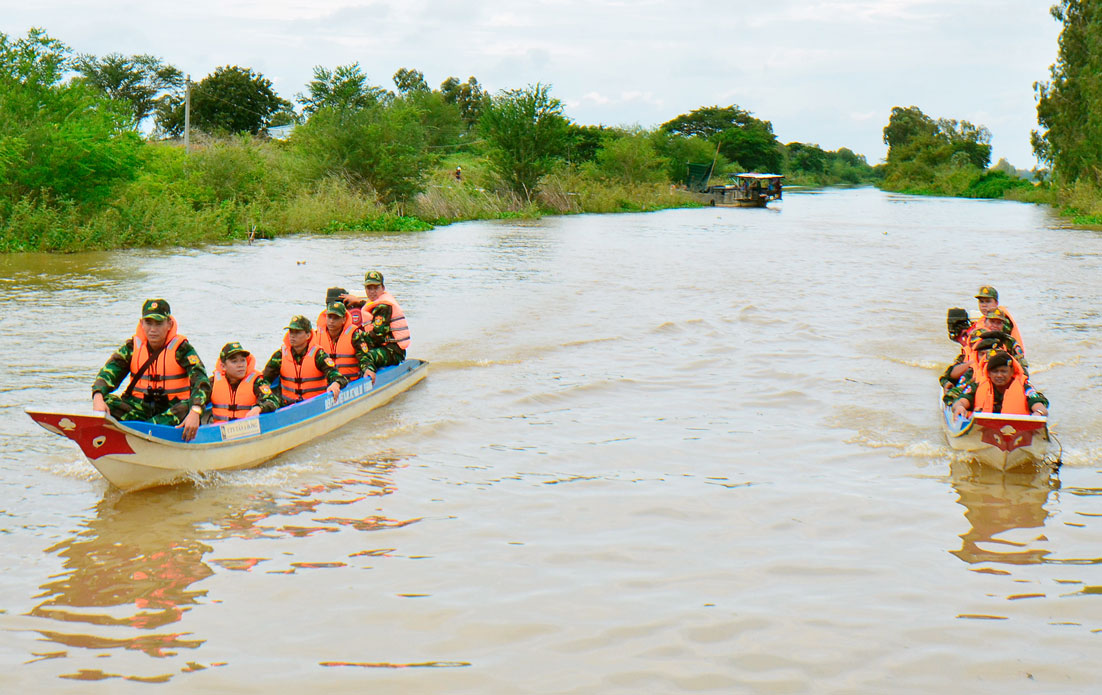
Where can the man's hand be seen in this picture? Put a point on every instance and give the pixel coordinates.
(253, 411)
(98, 403)
(1039, 409)
(370, 375)
(959, 408)
(334, 389)
(190, 425)
(352, 300)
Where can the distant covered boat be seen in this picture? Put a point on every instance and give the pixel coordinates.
(1000, 440)
(747, 190)
(135, 455)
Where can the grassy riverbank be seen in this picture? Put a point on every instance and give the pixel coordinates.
(225, 188)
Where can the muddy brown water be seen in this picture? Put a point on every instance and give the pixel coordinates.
(687, 451)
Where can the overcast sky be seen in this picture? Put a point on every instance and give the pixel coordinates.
(823, 71)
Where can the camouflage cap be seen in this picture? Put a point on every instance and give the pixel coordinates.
(333, 294)
(336, 309)
(156, 309)
(988, 292)
(997, 314)
(998, 358)
(231, 349)
(299, 323)
(373, 277)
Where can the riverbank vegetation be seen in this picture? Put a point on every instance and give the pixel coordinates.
(1069, 139)
(79, 171)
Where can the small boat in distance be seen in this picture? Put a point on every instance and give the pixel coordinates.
(1002, 441)
(747, 190)
(135, 455)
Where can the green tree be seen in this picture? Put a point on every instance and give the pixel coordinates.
(584, 141)
(907, 124)
(631, 157)
(526, 133)
(407, 80)
(58, 140)
(442, 122)
(381, 147)
(469, 96)
(139, 80)
(679, 151)
(911, 135)
(343, 87)
(740, 137)
(1070, 138)
(232, 99)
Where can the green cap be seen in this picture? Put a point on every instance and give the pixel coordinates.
(988, 292)
(156, 309)
(299, 323)
(231, 349)
(998, 315)
(337, 309)
(373, 277)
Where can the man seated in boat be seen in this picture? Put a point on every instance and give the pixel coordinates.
(168, 382)
(960, 330)
(988, 298)
(239, 390)
(384, 323)
(346, 343)
(1001, 387)
(304, 369)
(996, 326)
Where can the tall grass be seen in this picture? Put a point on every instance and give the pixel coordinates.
(226, 189)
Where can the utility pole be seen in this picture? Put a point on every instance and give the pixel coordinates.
(187, 114)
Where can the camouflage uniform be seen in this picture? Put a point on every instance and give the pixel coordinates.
(268, 401)
(322, 360)
(968, 387)
(378, 349)
(163, 412)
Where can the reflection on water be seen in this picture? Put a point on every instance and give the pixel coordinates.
(133, 574)
(999, 503)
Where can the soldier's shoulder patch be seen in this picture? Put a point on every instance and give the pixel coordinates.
(379, 320)
(193, 359)
(329, 362)
(265, 389)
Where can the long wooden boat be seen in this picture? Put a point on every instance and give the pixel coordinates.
(747, 190)
(137, 455)
(1002, 441)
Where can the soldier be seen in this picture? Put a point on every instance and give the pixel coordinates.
(168, 383)
(997, 326)
(960, 328)
(1001, 387)
(384, 323)
(988, 299)
(302, 368)
(236, 368)
(344, 342)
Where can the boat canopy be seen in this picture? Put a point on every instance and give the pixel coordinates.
(759, 177)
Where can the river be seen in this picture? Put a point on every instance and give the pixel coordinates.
(686, 451)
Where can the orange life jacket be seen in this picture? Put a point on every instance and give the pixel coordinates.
(233, 402)
(399, 328)
(1014, 400)
(1015, 333)
(164, 372)
(343, 352)
(300, 381)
